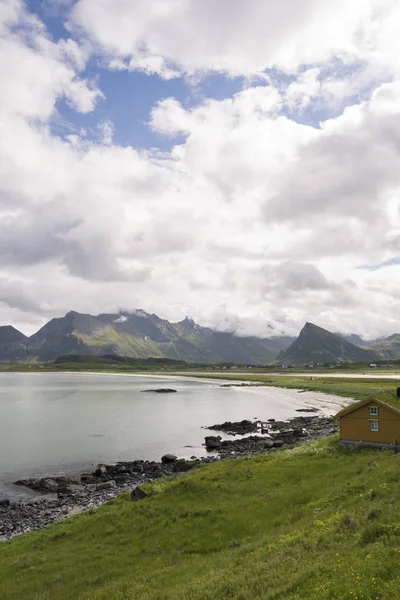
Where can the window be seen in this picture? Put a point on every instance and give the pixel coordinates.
(373, 411)
(374, 425)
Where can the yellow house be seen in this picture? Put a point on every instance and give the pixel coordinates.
(370, 422)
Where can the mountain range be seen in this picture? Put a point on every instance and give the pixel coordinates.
(139, 334)
(136, 334)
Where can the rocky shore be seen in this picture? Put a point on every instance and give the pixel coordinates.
(65, 496)
(275, 434)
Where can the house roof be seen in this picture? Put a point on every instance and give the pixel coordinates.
(349, 409)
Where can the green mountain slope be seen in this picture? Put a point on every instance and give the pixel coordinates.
(142, 335)
(318, 345)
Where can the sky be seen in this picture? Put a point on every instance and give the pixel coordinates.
(234, 161)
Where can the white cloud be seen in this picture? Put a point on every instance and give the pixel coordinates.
(300, 93)
(251, 221)
(234, 36)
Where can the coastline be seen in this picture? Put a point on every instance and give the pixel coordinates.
(65, 496)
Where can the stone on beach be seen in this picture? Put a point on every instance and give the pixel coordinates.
(213, 442)
(107, 485)
(168, 458)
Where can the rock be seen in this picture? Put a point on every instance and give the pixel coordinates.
(101, 470)
(47, 485)
(278, 443)
(107, 485)
(238, 428)
(213, 442)
(297, 432)
(138, 494)
(161, 391)
(307, 410)
(4, 503)
(168, 458)
(271, 421)
(87, 478)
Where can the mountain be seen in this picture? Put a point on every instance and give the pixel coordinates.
(389, 348)
(139, 334)
(10, 335)
(317, 345)
(12, 344)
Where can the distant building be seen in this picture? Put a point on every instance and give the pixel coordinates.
(370, 422)
(373, 366)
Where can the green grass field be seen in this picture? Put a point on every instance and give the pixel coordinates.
(313, 522)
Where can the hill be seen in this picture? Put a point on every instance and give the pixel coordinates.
(317, 521)
(139, 334)
(318, 345)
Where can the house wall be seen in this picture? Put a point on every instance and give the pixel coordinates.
(355, 425)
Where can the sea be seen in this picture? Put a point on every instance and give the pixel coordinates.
(59, 423)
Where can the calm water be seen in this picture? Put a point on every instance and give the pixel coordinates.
(53, 423)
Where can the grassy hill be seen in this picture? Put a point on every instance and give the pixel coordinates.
(314, 522)
(318, 345)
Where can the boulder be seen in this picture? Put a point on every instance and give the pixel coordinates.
(107, 485)
(47, 485)
(297, 432)
(168, 458)
(4, 503)
(101, 470)
(138, 494)
(278, 443)
(213, 442)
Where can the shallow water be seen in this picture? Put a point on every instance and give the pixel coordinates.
(60, 422)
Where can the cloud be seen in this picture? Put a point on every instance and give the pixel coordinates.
(251, 221)
(231, 36)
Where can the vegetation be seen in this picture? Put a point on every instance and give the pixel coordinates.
(316, 521)
(358, 388)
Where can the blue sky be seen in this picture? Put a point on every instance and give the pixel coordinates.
(128, 95)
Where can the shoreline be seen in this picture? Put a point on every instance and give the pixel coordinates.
(220, 375)
(65, 496)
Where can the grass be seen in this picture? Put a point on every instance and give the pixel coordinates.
(357, 388)
(319, 521)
